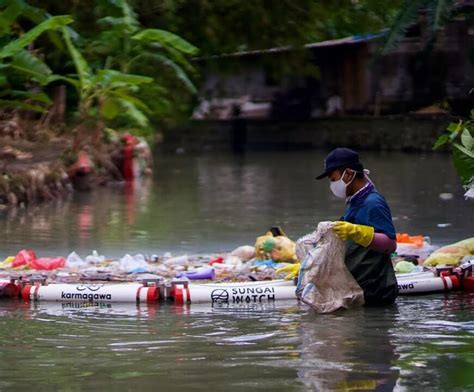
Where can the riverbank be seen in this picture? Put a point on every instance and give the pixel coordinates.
(35, 171)
(388, 133)
(32, 171)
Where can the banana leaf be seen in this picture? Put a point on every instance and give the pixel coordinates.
(166, 38)
(14, 104)
(38, 97)
(111, 77)
(82, 67)
(131, 111)
(30, 65)
(17, 45)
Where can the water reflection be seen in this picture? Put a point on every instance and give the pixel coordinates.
(213, 203)
(349, 350)
(94, 309)
(423, 343)
(81, 222)
(434, 338)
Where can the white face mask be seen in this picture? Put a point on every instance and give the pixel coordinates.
(339, 187)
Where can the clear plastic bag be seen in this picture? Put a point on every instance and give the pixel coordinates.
(133, 264)
(74, 261)
(324, 282)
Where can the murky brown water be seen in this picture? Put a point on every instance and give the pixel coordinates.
(212, 203)
(204, 204)
(284, 347)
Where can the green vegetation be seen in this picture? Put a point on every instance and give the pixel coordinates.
(436, 13)
(459, 136)
(21, 69)
(223, 26)
(127, 63)
(113, 71)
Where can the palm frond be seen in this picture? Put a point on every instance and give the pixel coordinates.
(438, 13)
(406, 17)
(17, 45)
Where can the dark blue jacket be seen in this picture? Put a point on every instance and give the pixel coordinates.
(372, 270)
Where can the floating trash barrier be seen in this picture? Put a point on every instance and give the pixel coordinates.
(129, 292)
(440, 279)
(232, 293)
(247, 275)
(182, 291)
(426, 284)
(9, 289)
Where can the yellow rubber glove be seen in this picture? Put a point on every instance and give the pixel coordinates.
(360, 234)
(293, 269)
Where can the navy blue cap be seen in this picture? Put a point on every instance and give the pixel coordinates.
(339, 158)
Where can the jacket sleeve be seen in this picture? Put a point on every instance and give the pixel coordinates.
(380, 218)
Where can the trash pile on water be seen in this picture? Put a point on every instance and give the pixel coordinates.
(263, 261)
(238, 265)
(259, 262)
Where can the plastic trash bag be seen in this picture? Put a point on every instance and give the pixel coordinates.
(451, 254)
(324, 282)
(417, 245)
(179, 260)
(23, 257)
(469, 195)
(206, 273)
(47, 263)
(244, 253)
(216, 260)
(267, 263)
(7, 263)
(422, 253)
(234, 261)
(133, 264)
(74, 261)
(279, 248)
(415, 240)
(404, 267)
(95, 258)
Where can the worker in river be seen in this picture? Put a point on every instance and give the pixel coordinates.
(366, 227)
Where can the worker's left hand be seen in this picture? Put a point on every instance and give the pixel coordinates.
(293, 269)
(360, 234)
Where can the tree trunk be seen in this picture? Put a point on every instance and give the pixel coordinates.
(59, 105)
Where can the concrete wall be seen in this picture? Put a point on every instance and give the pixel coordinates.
(412, 76)
(361, 132)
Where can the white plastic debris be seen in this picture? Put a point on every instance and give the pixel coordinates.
(245, 252)
(324, 281)
(233, 260)
(139, 258)
(469, 195)
(179, 260)
(95, 258)
(74, 261)
(135, 264)
(224, 267)
(443, 225)
(446, 196)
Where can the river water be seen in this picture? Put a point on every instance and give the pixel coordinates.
(212, 203)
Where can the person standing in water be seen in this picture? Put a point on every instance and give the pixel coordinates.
(366, 227)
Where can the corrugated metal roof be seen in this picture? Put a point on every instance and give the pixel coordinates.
(333, 42)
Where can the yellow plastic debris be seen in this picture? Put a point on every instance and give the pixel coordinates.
(451, 254)
(279, 248)
(7, 262)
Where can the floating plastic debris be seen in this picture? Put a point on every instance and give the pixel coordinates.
(469, 195)
(74, 261)
(446, 196)
(443, 225)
